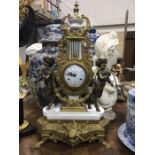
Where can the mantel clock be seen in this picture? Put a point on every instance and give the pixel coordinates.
(75, 116)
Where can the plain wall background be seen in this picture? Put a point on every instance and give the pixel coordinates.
(102, 12)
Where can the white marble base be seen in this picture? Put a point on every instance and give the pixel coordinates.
(54, 114)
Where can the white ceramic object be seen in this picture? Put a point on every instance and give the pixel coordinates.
(94, 67)
(107, 100)
(106, 48)
(116, 83)
(75, 26)
(32, 49)
(54, 113)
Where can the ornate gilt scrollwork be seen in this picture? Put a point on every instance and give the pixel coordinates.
(63, 60)
(22, 4)
(73, 132)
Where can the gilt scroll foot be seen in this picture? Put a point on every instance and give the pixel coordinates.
(38, 145)
(106, 145)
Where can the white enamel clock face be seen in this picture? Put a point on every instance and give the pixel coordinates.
(74, 75)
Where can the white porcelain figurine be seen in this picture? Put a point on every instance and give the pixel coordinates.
(106, 48)
(108, 99)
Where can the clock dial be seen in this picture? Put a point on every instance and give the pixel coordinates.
(74, 75)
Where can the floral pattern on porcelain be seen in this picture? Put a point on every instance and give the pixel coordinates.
(130, 121)
(123, 137)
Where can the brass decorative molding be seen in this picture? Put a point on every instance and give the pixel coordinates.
(72, 132)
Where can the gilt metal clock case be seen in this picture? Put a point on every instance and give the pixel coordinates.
(74, 60)
(84, 76)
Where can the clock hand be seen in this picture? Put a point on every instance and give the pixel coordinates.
(71, 74)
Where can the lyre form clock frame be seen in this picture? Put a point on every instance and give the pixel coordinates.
(74, 54)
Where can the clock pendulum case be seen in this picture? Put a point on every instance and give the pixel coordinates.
(71, 121)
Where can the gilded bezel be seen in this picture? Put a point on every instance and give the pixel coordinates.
(73, 90)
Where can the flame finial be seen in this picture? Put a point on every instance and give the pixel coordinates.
(76, 8)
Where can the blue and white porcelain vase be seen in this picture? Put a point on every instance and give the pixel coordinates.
(52, 34)
(92, 37)
(130, 121)
(126, 131)
(38, 87)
